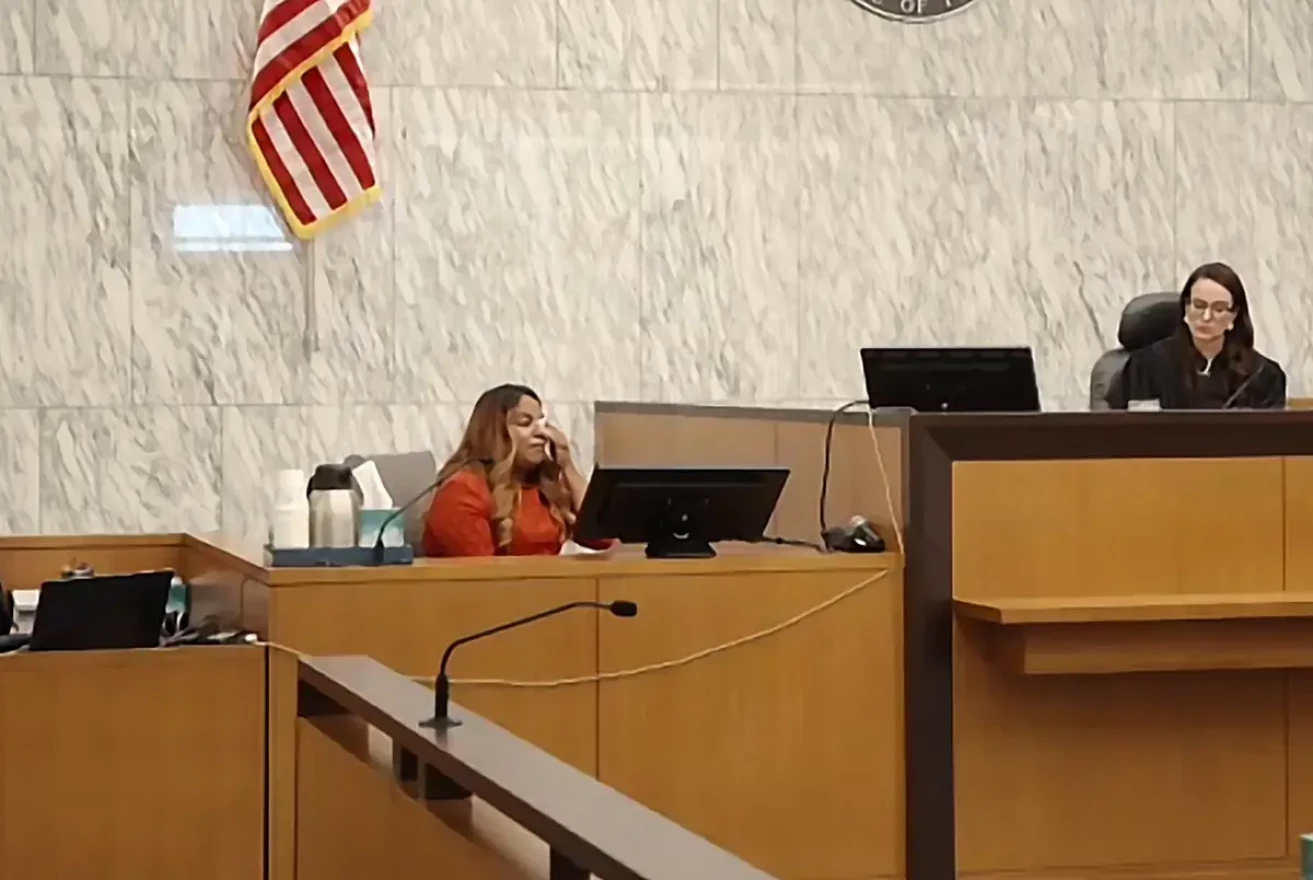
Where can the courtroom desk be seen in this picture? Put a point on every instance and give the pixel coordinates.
(785, 750)
(729, 745)
(133, 765)
(866, 458)
(1126, 685)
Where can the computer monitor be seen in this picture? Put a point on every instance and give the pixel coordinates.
(680, 512)
(951, 379)
(101, 613)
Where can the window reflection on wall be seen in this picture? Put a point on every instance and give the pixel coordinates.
(231, 228)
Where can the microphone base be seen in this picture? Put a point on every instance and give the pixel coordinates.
(436, 723)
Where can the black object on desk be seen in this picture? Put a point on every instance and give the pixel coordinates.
(101, 613)
(932, 380)
(680, 512)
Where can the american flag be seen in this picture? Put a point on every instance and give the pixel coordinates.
(311, 123)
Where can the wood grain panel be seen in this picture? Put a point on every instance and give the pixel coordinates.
(1299, 523)
(354, 822)
(133, 765)
(1117, 527)
(1058, 772)
(1299, 733)
(1171, 646)
(27, 561)
(1079, 776)
(786, 751)
(406, 625)
(640, 440)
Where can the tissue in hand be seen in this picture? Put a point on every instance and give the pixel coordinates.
(376, 506)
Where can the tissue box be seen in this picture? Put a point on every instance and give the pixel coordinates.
(1306, 848)
(371, 520)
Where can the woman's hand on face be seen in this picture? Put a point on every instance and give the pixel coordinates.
(560, 443)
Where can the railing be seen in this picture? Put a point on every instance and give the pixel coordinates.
(590, 829)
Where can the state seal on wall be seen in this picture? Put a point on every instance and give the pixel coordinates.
(913, 10)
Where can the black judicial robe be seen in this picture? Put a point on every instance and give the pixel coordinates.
(1175, 374)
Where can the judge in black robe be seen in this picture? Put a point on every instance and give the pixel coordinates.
(1210, 361)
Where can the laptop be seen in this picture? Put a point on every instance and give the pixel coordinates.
(101, 613)
(930, 380)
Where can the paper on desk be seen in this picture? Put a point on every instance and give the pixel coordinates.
(373, 494)
(570, 548)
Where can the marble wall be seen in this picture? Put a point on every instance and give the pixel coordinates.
(684, 200)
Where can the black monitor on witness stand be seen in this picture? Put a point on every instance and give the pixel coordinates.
(680, 512)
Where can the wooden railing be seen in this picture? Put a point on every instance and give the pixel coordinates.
(591, 830)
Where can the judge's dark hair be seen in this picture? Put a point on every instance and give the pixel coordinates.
(1238, 346)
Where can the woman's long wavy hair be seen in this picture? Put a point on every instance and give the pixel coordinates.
(486, 449)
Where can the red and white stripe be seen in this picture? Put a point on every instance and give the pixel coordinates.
(311, 122)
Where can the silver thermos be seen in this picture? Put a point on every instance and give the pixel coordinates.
(334, 507)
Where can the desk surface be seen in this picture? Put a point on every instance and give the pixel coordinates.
(247, 557)
(1130, 609)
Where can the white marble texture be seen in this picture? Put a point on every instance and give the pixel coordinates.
(517, 243)
(720, 248)
(219, 327)
(681, 200)
(913, 217)
(138, 469)
(16, 36)
(1282, 34)
(463, 43)
(1099, 191)
(1152, 49)
(638, 44)
(156, 39)
(1244, 192)
(20, 469)
(65, 320)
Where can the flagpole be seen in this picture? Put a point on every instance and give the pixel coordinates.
(310, 337)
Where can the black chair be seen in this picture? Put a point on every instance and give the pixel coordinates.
(1146, 319)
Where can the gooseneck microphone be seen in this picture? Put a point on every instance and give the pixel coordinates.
(442, 685)
(1243, 385)
(379, 549)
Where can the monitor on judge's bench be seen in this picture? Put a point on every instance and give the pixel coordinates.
(951, 379)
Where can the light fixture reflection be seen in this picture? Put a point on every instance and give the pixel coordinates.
(230, 228)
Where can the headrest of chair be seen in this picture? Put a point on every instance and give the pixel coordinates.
(1148, 318)
(404, 475)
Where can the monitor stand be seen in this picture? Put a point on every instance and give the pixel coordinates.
(679, 546)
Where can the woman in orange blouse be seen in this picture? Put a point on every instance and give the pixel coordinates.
(511, 488)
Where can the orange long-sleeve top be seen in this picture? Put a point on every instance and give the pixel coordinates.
(459, 522)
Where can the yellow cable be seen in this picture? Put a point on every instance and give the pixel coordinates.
(682, 661)
(884, 479)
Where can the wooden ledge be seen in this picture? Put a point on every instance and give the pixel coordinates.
(595, 827)
(1103, 635)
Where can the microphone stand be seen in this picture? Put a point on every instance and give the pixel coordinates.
(379, 549)
(442, 684)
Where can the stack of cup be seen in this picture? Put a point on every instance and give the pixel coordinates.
(291, 515)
